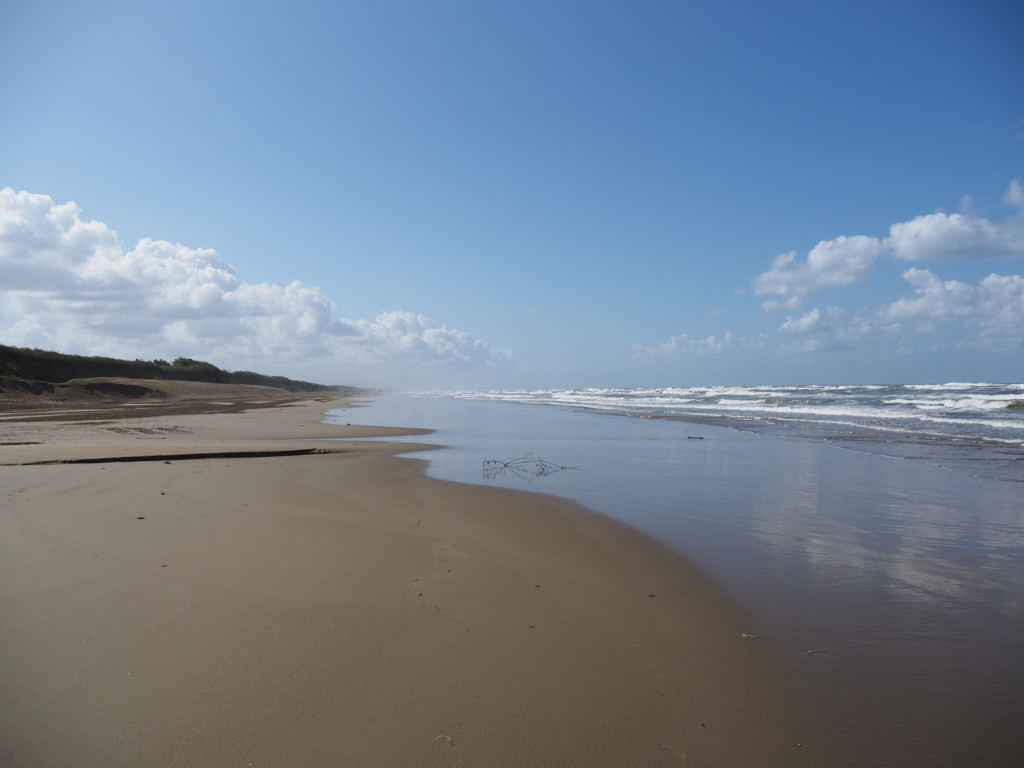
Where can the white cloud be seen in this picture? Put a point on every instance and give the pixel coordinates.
(830, 264)
(406, 335)
(848, 260)
(68, 284)
(809, 323)
(942, 236)
(1014, 195)
(685, 347)
(995, 306)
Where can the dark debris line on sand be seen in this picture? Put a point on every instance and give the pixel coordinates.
(187, 456)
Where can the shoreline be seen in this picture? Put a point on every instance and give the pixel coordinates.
(342, 607)
(890, 587)
(972, 429)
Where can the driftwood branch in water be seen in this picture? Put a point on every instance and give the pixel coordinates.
(525, 467)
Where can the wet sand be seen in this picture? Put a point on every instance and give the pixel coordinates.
(338, 608)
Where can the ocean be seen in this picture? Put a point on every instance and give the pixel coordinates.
(977, 429)
(874, 534)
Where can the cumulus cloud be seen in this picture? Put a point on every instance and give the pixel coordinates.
(830, 264)
(995, 306)
(809, 323)
(942, 236)
(685, 347)
(848, 260)
(68, 284)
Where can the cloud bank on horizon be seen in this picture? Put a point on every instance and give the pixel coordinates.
(993, 310)
(68, 284)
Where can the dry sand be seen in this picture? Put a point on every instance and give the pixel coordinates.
(340, 609)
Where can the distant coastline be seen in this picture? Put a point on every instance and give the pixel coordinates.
(30, 375)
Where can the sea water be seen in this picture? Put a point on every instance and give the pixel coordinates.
(895, 587)
(977, 429)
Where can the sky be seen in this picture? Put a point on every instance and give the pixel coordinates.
(455, 195)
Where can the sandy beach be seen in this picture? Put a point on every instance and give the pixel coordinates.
(204, 582)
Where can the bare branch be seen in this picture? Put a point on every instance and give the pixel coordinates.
(526, 467)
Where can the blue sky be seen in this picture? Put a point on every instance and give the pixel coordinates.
(519, 194)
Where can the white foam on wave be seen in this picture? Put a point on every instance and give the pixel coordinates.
(954, 385)
(958, 410)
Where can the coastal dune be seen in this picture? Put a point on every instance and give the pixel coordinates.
(338, 608)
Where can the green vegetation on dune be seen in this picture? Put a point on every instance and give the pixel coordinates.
(38, 365)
